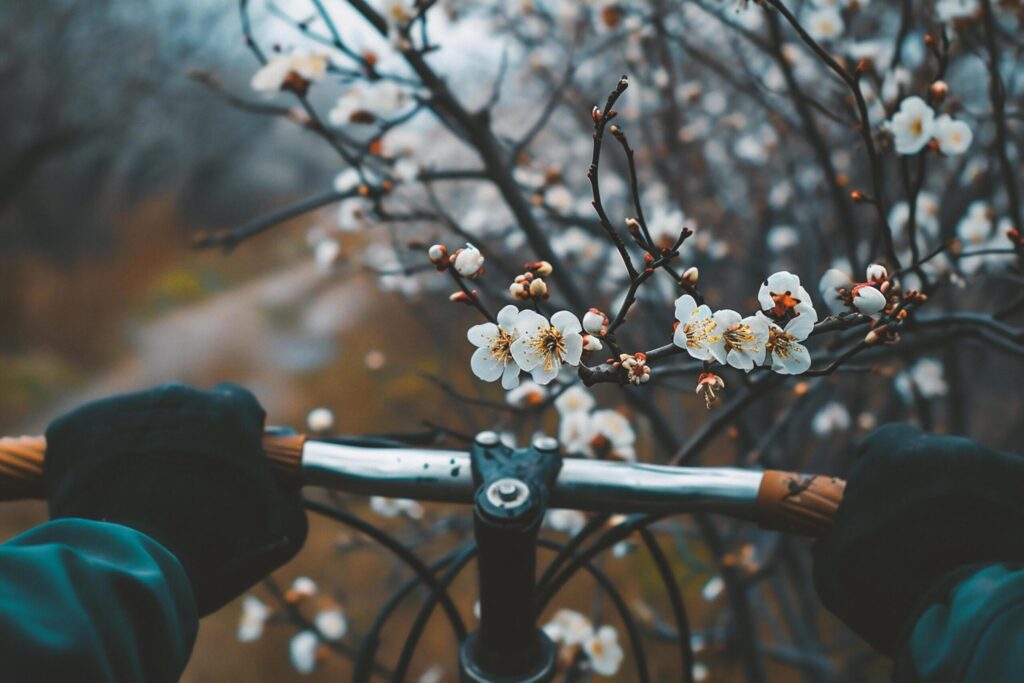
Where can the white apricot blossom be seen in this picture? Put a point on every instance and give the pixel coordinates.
(954, 137)
(925, 378)
(273, 75)
(926, 216)
(541, 347)
(526, 394)
(785, 352)
(912, 126)
(565, 521)
(393, 507)
(833, 284)
(697, 331)
(493, 356)
(575, 399)
(743, 339)
(568, 627)
(604, 434)
(367, 102)
(302, 651)
(254, 615)
(604, 651)
(833, 417)
(331, 623)
(782, 293)
(825, 23)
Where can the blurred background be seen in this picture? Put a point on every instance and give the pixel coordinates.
(111, 159)
(117, 149)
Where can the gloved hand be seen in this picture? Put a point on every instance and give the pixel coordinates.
(185, 467)
(917, 508)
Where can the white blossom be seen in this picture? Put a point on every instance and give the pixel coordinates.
(568, 627)
(393, 507)
(868, 300)
(468, 261)
(831, 282)
(782, 292)
(493, 357)
(713, 588)
(787, 355)
(273, 75)
(254, 615)
(954, 137)
(541, 347)
(302, 651)
(782, 237)
(526, 394)
(926, 377)
(604, 651)
(832, 417)
(913, 125)
(367, 102)
(331, 623)
(604, 434)
(320, 420)
(697, 331)
(947, 10)
(303, 587)
(326, 254)
(575, 399)
(566, 521)
(825, 23)
(744, 340)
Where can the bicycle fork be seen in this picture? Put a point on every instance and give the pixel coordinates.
(512, 492)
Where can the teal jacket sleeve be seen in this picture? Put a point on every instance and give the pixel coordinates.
(92, 602)
(972, 633)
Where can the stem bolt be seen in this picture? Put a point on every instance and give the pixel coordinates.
(508, 493)
(488, 438)
(545, 443)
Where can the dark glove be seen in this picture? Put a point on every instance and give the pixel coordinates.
(185, 467)
(917, 508)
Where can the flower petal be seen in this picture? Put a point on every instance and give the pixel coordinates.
(685, 305)
(573, 348)
(507, 317)
(525, 354)
(530, 322)
(795, 362)
(543, 373)
(485, 365)
(482, 334)
(510, 377)
(566, 323)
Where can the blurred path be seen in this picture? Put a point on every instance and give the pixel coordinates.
(258, 334)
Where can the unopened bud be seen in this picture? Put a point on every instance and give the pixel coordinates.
(538, 289)
(519, 291)
(595, 322)
(690, 276)
(438, 255)
(541, 268)
(877, 273)
(596, 114)
(633, 225)
(461, 297)
(857, 196)
(939, 90)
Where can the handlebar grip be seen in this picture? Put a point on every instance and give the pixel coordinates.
(21, 462)
(21, 467)
(798, 503)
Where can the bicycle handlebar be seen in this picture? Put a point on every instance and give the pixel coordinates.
(786, 501)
